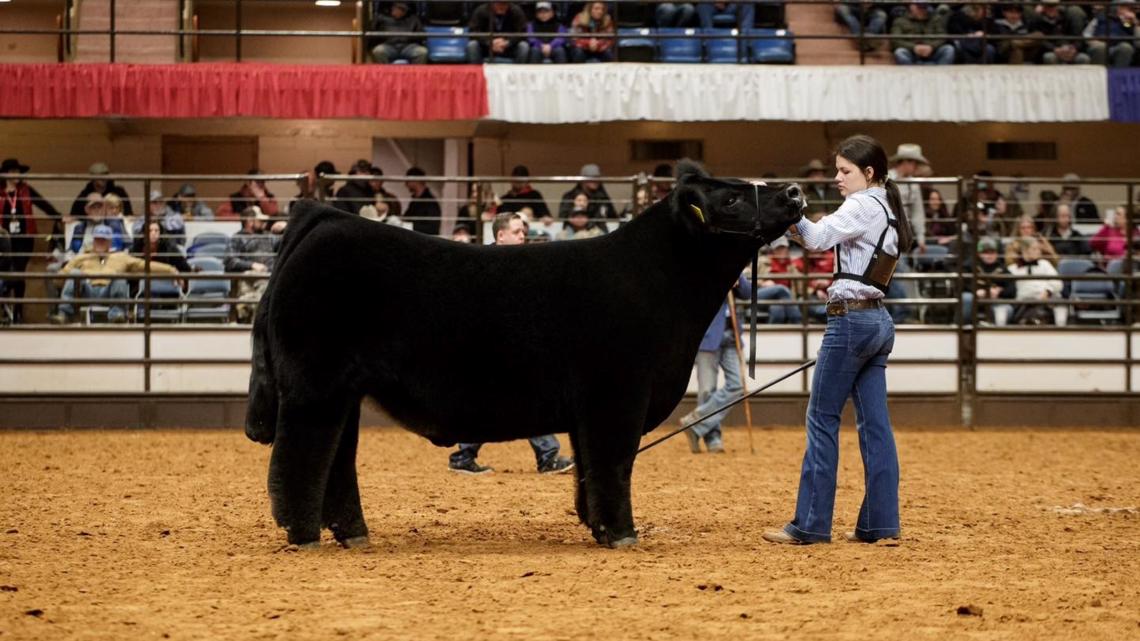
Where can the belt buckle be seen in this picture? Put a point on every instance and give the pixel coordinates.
(837, 308)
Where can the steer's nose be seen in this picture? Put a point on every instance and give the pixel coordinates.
(793, 192)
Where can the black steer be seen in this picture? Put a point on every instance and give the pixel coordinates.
(601, 334)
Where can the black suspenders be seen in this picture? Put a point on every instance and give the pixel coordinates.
(882, 265)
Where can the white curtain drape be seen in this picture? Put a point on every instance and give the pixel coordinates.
(680, 93)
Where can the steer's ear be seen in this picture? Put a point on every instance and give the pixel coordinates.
(689, 198)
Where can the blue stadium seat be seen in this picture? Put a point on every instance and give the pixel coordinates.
(636, 45)
(766, 49)
(208, 264)
(725, 49)
(1094, 290)
(208, 288)
(210, 238)
(449, 46)
(724, 20)
(674, 46)
(165, 312)
(218, 251)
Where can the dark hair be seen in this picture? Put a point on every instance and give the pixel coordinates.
(866, 152)
(361, 167)
(415, 171)
(324, 167)
(520, 171)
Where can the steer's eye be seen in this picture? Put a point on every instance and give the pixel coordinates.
(730, 202)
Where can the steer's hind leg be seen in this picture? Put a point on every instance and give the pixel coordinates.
(307, 439)
(342, 512)
(609, 462)
(581, 505)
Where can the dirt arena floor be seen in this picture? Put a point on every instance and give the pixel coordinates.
(167, 535)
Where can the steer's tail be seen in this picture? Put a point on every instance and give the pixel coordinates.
(261, 410)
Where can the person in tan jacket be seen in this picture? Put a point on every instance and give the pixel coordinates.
(100, 265)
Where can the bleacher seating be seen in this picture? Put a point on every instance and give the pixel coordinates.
(636, 45)
(764, 48)
(448, 46)
(207, 288)
(674, 47)
(728, 49)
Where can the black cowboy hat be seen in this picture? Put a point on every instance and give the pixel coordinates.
(11, 166)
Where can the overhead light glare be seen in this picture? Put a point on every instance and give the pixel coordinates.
(320, 3)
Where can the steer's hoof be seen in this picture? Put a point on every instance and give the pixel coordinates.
(625, 542)
(356, 542)
(311, 545)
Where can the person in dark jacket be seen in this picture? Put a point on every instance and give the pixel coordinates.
(918, 37)
(495, 18)
(968, 24)
(101, 186)
(1016, 46)
(355, 193)
(601, 205)
(162, 249)
(387, 49)
(423, 210)
(1084, 208)
(1053, 26)
(1118, 21)
(548, 41)
(18, 219)
(522, 195)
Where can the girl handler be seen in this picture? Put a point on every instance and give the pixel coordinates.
(866, 233)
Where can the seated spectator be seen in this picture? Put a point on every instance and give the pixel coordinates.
(423, 210)
(1031, 263)
(594, 20)
(866, 18)
(1046, 207)
(1110, 241)
(773, 290)
(481, 205)
(497, 17)
(578, 224)
(820, 264)
(822, 197)
(386, 49)
(99, 265)
(323, 186)
(173, 226)
(101, 186)
(741, 15)
(601, 205)
(993, 212)
(1026, 230)
(162, 249)
(943, 225)
(306, 190)
(918, 37)
(1066, 240)
(355, 193)
(252, 192)
(638, 204)
(1115, 21)
(253, 250)
(186, 203)
(95, 215)
(1084, 208)
(461, 234)
(1014, 50)
(1053, 27)
(381, 194)
(662, 181)
(675, 14)
(990, 286)
(969, 25)
(778, 261)
(521, 194)
(547, 41)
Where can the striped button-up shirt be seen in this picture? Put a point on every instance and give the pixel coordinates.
(855, 227)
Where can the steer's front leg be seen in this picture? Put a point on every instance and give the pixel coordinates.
(609, 465)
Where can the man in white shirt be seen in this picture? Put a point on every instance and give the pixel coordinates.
(905, 164)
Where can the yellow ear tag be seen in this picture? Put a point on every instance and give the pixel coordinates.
(697, 210)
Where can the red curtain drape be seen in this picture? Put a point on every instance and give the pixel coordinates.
(387, 92)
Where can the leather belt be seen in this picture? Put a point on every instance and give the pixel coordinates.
(841, 307)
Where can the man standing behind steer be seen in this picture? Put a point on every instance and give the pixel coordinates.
(509, 229)
(252, 251)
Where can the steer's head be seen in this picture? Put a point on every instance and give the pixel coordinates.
(713, 205)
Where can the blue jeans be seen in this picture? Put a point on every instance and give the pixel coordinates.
(852, 363)
(545, 448)
(680, 14)
(779, 314)
(477, 52)
(116, 289)
(943, 55)
(851, 14)
(745, 13)
(386, 53)
(709, 395)
(579, 56)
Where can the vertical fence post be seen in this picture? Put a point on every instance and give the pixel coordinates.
(1129, 287)
(112, 30)
(967, 343)
(237, 31)
(147, 251)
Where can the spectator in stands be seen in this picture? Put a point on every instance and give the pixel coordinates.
(601, 205)
(990, 285)
(1116, 21)
(547, 40)
(461, 234)
(1032, 263)
(1010, 49)
(675, 14)
(386, 49)
(101, 186)
(1084, 208)
(943, 225)
(496, 18)
(578, 223)
(1053, 27)
(918, 37)
(1046, 207)
(1066, 240)
(741, 15)
(662, 181)
(252, 192)
(95, 215)
(987, 206)
(1111, 241)
(1026, 230)
(521, 194)
(904, 165)
(18, 220)
(640, 201)
(822, 195)
(383, 195)
(509, 229)
(968, 24)
(820, 264)
(173, 226)
(253, 250)
(98, 266)
(306, 190)
(717, 353)
(594, 20)
(423, 210)
(323, 187)
(162, 249)
(356, 193)
(771, 289)
(186, 203)
(481, 205)
(778, 261)
(866, 18)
